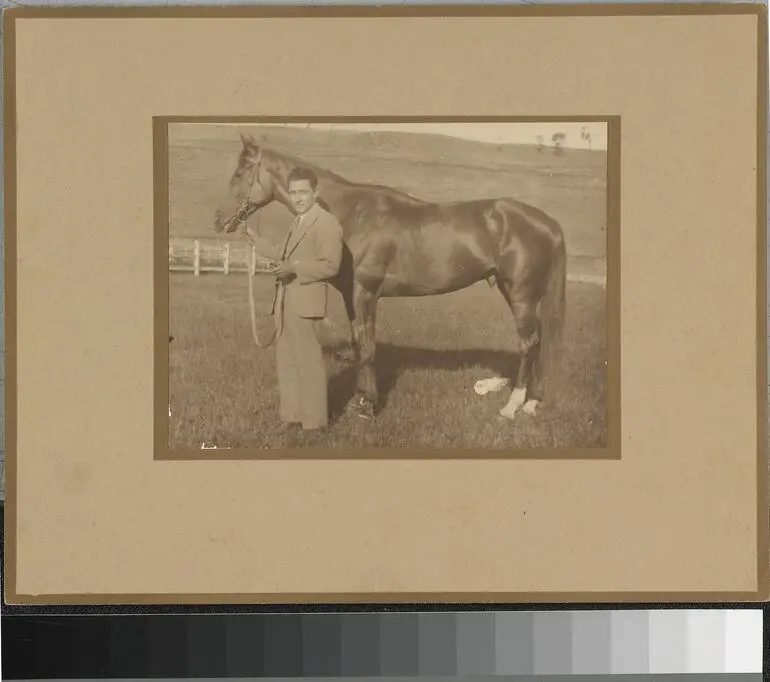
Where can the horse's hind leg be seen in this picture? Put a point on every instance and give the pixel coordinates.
(524, 308)
(364, 341)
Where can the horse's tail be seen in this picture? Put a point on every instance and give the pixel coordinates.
(552, 314)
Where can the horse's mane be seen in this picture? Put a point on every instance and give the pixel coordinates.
(318, 170)
(335, 177)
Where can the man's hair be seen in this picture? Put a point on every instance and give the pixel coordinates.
(301, 173)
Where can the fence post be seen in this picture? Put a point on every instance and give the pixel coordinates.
(197, 258)
(227, 258)
(253, 265)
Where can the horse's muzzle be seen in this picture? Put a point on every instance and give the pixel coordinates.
(225, 225)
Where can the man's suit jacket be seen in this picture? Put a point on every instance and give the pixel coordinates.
(315, 250)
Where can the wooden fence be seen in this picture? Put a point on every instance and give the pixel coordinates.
(198, 256)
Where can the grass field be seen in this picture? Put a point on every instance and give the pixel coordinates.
(430, 350)
(430, 353)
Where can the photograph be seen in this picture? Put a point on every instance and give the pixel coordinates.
(374, 284)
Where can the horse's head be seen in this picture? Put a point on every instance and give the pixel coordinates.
(253, 185)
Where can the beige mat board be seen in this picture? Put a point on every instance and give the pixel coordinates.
(674, 508)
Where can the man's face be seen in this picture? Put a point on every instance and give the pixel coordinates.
(302, 195)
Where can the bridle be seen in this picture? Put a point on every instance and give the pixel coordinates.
(242, 215)
(246, 208)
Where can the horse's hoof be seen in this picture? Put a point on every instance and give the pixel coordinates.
(345, 355)
(530, 407)
(514, 404)
(362, 407)
(484, 386)
(365, 413)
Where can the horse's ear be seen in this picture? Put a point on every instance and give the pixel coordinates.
(248, 141)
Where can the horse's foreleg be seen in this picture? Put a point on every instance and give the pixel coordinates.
(364, 327)
(351, 353)
(528, 328)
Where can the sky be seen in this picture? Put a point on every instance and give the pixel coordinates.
(512, 133)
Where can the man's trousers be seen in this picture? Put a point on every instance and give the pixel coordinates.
(302, 382)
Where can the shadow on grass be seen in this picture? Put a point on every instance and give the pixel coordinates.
(392, 360)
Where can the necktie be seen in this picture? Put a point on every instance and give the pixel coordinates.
(294, 225)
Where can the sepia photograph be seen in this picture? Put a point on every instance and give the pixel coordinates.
(438, 285)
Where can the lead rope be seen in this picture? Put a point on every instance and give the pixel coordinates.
(278, 328)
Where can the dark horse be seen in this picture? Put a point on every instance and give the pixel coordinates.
(397, 245)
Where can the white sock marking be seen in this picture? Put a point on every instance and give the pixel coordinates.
(514, 403)
(484, 386)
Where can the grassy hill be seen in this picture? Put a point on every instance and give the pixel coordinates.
(572, 187)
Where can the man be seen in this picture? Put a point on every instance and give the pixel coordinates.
(310, 255)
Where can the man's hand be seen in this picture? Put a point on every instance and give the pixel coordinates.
(284, 270)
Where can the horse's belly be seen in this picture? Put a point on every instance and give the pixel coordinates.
(430, 281)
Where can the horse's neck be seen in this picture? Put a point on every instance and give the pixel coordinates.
(331, 189)
(336, 195)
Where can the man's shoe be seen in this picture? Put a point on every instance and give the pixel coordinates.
(315, 431)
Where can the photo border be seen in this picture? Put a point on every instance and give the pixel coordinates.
(631, 9)
(162, 452)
